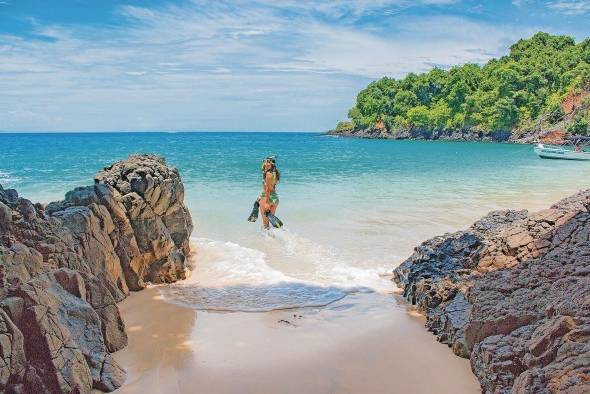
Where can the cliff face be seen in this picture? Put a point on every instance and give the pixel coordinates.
(512, 293)
(64, 267)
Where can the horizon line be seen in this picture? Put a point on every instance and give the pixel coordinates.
(151, 131)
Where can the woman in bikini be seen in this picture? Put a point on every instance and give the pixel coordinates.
(268, 201)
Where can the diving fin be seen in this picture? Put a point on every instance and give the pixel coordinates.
(254, 215)
(275, 221)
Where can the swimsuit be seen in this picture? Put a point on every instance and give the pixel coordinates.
(273, 197)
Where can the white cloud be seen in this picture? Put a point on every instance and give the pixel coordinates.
(209, 65)
(347, 8)
(570, 7)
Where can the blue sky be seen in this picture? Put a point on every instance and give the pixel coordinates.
(261, 65)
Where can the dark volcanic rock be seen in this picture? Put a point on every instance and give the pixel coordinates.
(421, 134)
(63, 268)
(512, 293)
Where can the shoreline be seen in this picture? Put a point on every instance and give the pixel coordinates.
(509, 293)
(174, 346)
(456, 136)
(361, 343)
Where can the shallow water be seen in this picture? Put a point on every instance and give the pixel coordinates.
(353, 209)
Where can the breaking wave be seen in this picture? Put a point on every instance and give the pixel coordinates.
(231, 277)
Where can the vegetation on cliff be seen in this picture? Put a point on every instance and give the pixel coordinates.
(520, 92)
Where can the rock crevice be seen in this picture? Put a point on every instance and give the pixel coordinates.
(64, 267)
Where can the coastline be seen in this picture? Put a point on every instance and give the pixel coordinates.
(319, 344)
(425, 135)
(369, 342)
(510, 293)
(363, 343)
(140, 256)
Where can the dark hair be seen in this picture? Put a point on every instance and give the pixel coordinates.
(273, 169)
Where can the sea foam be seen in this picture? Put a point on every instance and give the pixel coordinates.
(231, 277)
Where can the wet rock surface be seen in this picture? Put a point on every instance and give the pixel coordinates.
(512, 294)
(64, 267)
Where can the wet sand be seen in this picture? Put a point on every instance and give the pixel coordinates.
(364, 343)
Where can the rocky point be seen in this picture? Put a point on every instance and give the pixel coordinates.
(64, 267)
(512, 294)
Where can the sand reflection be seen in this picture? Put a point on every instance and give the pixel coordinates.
(159, 338)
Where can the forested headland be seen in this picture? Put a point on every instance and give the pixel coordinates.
(542, 87)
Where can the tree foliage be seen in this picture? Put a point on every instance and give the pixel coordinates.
(502, 95)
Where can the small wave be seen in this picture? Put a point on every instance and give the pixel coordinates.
(7, 179)
(330, 267)
(227, 263)
(244, 298)
(231, 277)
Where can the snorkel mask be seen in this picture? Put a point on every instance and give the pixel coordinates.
(271, 159)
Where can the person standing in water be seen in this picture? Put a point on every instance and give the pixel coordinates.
(268, 201)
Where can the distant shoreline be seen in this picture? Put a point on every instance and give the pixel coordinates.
(536, 90)
(422, 135)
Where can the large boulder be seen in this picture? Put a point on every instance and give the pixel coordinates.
(152, 195)
(63, 339)
(64, 267)
(512, 293)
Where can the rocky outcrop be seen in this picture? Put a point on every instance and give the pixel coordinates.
(64, 267)
(512, 293)
(422, 134)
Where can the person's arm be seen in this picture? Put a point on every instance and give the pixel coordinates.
(268, 185)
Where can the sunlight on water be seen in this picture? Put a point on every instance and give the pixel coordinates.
(353, 209)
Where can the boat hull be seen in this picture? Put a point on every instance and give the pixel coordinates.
(561, 154)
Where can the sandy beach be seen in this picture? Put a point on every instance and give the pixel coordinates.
(306, 197)
(369, 343)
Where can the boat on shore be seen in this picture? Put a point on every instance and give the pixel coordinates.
(571, 149)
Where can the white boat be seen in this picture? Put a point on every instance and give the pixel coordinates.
(573, 149)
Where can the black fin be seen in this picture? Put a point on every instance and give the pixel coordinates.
(254, 214)
(275, 221)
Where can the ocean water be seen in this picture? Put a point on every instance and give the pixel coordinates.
(353, 209)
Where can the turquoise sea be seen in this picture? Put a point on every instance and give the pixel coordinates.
(353, 209)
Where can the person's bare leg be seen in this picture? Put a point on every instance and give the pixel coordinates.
(273, 208)
(264, 207)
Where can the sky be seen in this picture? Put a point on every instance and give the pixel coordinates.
(257, 65)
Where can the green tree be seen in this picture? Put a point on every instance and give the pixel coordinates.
(508, 93)
(419, 116)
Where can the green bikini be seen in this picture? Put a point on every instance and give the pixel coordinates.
(273, 197)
